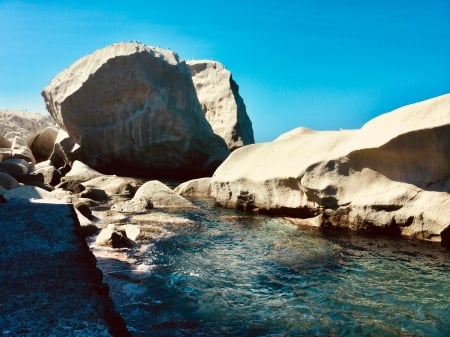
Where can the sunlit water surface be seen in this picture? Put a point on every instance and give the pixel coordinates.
(234, 274)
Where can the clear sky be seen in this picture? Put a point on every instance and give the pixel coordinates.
(322, 64)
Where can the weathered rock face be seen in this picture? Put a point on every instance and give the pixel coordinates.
(391, 176)
(222, 105)
(131, 107)
(23, 124)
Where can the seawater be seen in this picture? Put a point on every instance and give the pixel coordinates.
(236, 274)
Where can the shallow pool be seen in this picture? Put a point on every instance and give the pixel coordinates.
(235, 274)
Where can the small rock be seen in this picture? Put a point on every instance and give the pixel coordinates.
(161, 196)
(137, 205)
(200, 187)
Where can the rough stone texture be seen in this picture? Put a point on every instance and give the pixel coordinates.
(49, 283)
(222, 105)
(132, 206)
(133, 108)
(200, 187)
(161, 196)
(392, 176)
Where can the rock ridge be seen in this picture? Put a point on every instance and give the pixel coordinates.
(392, 173)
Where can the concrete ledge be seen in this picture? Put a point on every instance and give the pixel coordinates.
(49, 282)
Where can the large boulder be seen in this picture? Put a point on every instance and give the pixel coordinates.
(392, 176)
(43, 142)
(132, 108)
(222, 105)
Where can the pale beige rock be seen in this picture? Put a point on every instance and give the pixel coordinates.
(372, 179)
(20, 149)
(200, 187)
(114, 186)
(80, 172)
(222, 105)
(161, 196)
(131, 107)
(23, 123)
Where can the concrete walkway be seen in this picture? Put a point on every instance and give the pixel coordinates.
(49, 283)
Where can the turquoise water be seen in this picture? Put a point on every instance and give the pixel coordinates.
(234, 274)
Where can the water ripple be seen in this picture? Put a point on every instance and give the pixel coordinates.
(232, 274)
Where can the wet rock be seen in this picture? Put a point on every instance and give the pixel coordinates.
(133, 206)
(115, 237)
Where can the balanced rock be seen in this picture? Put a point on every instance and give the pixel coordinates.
(133, 108)
(222, 105)
(392, 176)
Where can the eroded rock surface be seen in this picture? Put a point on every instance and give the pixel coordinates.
(392, 176)
(133, 108)
(222, 105)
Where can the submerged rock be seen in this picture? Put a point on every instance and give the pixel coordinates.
(133, 108)
(222, 105)
(391, 176)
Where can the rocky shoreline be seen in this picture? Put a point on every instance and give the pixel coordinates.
(133, 108)
(50, 283)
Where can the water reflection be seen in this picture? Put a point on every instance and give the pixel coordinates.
(240, 275)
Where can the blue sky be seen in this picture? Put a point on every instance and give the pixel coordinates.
(319, 64)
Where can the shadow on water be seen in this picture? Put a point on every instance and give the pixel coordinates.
(235, 274)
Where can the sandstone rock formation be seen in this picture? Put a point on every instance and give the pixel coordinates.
(392, 176)
(222, 105)
(133, 108)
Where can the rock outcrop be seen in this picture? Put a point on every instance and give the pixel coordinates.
(222, 105)
(392, 176)
(22, 123)
(131, 108)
